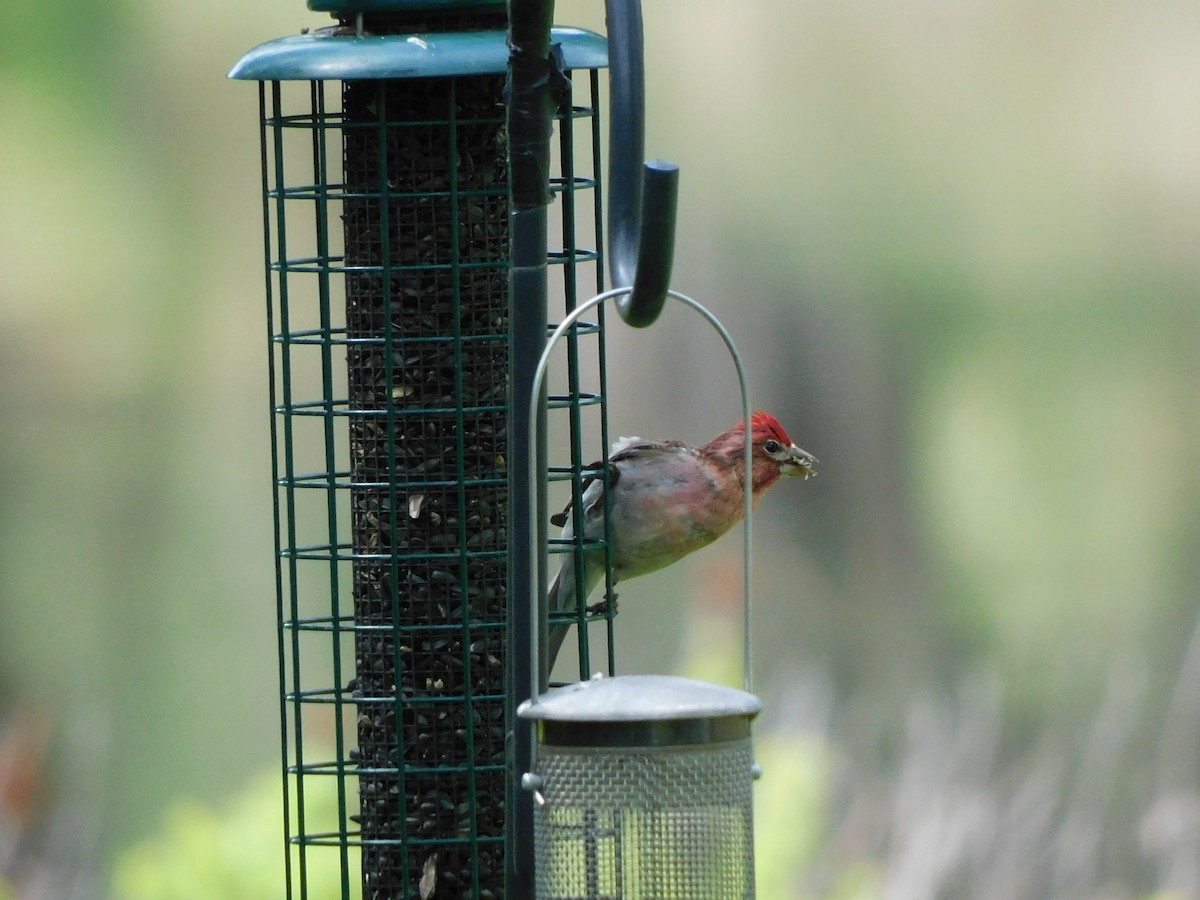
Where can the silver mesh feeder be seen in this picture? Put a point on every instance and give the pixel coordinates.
(642, 784)
(643, 790)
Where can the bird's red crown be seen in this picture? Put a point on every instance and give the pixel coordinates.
(764, 426)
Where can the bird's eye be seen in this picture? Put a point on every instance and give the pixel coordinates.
(771, 446)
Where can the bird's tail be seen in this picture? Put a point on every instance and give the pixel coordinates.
(562, 598)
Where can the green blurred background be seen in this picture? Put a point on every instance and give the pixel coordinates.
(956, 244)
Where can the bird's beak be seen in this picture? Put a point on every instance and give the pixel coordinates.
(798, 462)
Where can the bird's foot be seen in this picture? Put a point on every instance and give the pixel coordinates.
(604, 606)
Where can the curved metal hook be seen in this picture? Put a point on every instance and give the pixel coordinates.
(641, 199)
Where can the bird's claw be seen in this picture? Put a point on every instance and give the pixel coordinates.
(604, 606)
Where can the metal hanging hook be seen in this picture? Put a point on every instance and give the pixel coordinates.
(538, 536)
(642, 198)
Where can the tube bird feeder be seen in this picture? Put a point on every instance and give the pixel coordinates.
(387, 232)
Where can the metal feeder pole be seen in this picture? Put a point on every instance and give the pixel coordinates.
(530, 122)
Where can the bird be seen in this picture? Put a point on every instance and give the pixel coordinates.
(668, 499)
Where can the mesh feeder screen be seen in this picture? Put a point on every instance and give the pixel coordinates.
(660, 822)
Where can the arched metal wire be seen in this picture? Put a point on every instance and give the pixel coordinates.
(538, 535)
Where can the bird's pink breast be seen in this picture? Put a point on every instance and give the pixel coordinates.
(664, 512)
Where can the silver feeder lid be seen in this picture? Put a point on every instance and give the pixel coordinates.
(641, 711)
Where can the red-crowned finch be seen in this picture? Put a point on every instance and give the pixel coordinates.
(668, 499)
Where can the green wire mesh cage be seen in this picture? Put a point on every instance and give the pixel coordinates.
(386, 226)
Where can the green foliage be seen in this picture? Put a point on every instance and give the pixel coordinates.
(790, 813)
(235, 853)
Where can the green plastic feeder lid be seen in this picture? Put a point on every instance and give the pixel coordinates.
(327, 57)
(378, 6)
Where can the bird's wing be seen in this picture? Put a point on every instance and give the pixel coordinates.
(624, 448)
(593, 489)
(629, 447)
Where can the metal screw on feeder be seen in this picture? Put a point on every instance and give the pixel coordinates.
(642, 783)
